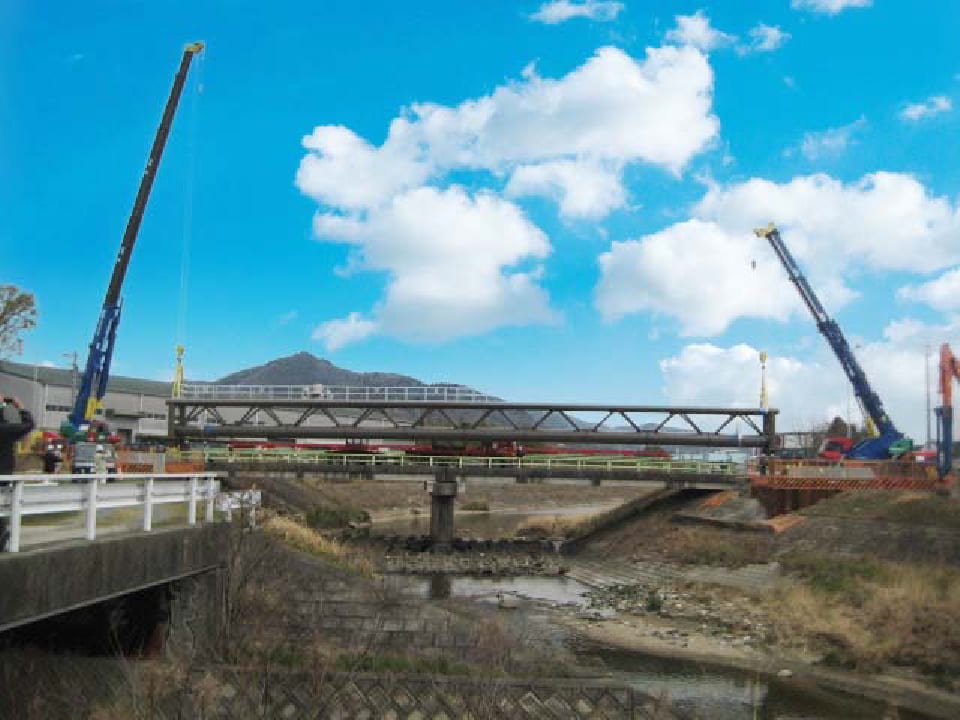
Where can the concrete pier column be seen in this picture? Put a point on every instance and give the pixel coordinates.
(444, 494)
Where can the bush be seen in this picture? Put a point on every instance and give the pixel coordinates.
(476, 506)
(327, 518)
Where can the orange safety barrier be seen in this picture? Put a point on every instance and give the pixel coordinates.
(846, 475)
(184, 467)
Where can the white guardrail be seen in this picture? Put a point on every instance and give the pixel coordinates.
(415, 393)
(28, 495)
(534, 462)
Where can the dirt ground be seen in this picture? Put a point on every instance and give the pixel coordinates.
(392, 497)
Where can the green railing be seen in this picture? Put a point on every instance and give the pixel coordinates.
(400, 460)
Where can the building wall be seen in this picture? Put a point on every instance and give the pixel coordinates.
(133, 415)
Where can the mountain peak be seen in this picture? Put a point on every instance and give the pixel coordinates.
(305, 368)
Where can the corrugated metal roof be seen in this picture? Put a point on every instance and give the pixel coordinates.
(64, 378)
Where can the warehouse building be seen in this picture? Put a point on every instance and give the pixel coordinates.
(135, 409)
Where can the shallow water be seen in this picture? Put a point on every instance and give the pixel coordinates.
(703, 691)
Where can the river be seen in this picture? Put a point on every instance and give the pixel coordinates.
(703, 691)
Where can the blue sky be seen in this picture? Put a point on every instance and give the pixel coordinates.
(540, 206)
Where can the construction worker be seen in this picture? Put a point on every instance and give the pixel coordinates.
(15, 422)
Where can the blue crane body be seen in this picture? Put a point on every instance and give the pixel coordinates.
(890, 440)
(96, 373)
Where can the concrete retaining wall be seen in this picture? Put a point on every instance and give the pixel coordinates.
(44, 582)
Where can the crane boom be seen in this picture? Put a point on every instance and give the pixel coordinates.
(93, 383)
(869, 400)
(949, 369)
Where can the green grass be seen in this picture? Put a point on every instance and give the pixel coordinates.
(476, 506)
(832, 575)
(321, 517)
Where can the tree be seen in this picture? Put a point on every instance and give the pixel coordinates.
(18, 312)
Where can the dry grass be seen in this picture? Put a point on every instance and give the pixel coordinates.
(890, 614)
(297, 536)
(555, 526)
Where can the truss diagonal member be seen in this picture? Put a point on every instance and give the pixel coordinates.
(331, 417)
(304, 416)
(543, 419)
(749, 421)
(217, 416)
(566, 417)
(271, 413)
(663, 424)
(192, 414)
(421, 421)
(245, 418)
(391, 420)
(600, 424)
(691, 423)
(726, 422)
(507, 420)
(629, 420)
(453, 423)
(361, 417)
(483, 416)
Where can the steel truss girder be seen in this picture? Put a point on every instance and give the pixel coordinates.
(439, 421)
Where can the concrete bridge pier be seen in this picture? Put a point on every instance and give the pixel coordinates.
(444, 494)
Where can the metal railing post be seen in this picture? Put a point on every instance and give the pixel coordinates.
(16, 502)
(192, 507)
(211, 497)
(148, 504)
(92, 507)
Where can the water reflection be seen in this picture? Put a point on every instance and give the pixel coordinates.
(719, 694)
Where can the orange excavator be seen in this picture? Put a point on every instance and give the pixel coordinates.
(949, 369)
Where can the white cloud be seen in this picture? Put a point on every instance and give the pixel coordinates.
(559, 11)
(831, 7)
(344, 170)
(697, 272)
(813, 390)
(764, 38)
(695, 31)
(928, 108)
(884, 221)
(611, 109)
(568, 139)
(584, 189)
(711, 270)
(334, 334)
(942, 293)
(832, 141)
(452, 262)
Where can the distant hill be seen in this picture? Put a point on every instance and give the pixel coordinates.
(304, 368)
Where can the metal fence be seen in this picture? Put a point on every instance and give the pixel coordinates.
(420, 393)
(30, 495)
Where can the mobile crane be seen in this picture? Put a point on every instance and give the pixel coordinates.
(93, 383)
(949, 369)
(889, 442)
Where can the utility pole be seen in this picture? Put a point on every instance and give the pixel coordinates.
(764, 402)
(926, 373)
(75, 372)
